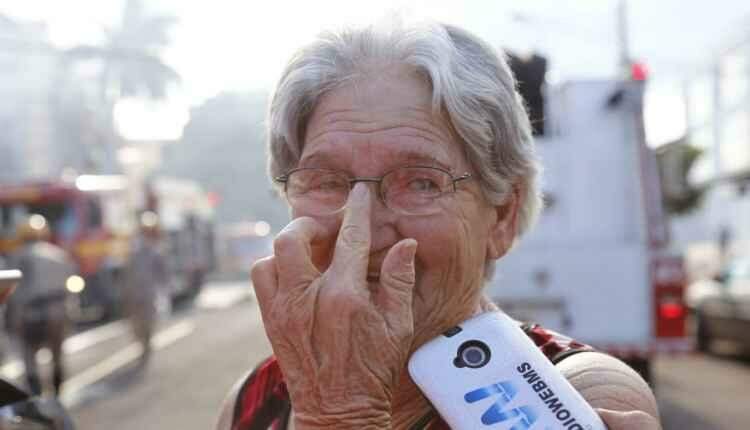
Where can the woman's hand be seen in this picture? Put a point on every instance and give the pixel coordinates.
(340, 340)
(633, 420)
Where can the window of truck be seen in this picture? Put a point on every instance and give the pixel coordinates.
(60, 216)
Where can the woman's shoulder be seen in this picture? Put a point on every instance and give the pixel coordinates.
(604, 381)
(555, 346)
(608, 383)
(258, 400)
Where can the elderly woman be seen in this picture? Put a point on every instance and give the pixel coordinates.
(407, 160)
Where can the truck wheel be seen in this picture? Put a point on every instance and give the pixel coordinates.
(702, 335)
(643, 367)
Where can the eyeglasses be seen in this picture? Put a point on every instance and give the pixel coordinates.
(411, 190)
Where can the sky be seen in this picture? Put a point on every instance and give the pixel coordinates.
(229, 45)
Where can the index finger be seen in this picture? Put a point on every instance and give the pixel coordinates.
(353, 243)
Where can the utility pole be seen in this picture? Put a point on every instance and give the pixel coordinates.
(622, 35)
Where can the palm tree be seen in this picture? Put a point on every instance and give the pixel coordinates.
(130, 63)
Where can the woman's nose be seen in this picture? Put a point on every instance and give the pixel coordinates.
(373, 192)
(383, 231)
(382, 223)
(364, 187)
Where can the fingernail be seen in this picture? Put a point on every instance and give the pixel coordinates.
(359, 192)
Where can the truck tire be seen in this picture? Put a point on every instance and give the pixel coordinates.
(642, 365)
(702, 334)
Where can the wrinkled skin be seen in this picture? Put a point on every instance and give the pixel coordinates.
(635, 420)
(324, 324)
(345, 299)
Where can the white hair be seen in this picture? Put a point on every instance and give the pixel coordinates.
(472, 86)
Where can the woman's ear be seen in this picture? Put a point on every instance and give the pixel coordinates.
(504, 225)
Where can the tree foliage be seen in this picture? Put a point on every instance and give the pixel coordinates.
(675, 162)
(131, 55)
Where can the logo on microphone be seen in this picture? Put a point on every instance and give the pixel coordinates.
(523, 417)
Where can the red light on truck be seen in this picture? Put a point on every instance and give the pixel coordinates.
(638, 72)
(214, 198)
(671, 310)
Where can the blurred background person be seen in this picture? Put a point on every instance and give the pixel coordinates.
(18, 409)
(147, 276)
(37, 311)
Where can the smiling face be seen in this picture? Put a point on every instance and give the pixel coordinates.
(383, 121)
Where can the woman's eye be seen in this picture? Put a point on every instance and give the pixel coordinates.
(423, 185)
(329, 185)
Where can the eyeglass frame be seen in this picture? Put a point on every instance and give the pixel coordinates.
(377, 180)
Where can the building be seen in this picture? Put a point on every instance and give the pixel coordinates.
(50, 116)
(27, 64)
(718, 117)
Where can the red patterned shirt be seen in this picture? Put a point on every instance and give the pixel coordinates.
(263, 400)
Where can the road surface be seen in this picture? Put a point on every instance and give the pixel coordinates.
(701, 392)
(201, 351)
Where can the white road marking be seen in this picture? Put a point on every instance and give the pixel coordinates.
(89, 338)
(120, 359)
(225, 295)
(14, 369)
(172, 334)
(97, 372)
(216, 296)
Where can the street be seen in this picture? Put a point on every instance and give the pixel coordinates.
(199, 353)
(202, 350)
(702, 392)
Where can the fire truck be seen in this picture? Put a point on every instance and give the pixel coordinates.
(241, 245)
(598, 265)
(186, 221)
(74, 211)
(93, 217)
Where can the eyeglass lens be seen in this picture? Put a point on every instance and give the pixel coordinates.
(408, 190)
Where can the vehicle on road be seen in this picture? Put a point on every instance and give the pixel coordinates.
(87, 218)
(187, 223)
(241, 244)
(93, 217)
(721, 306)
(597, 266)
